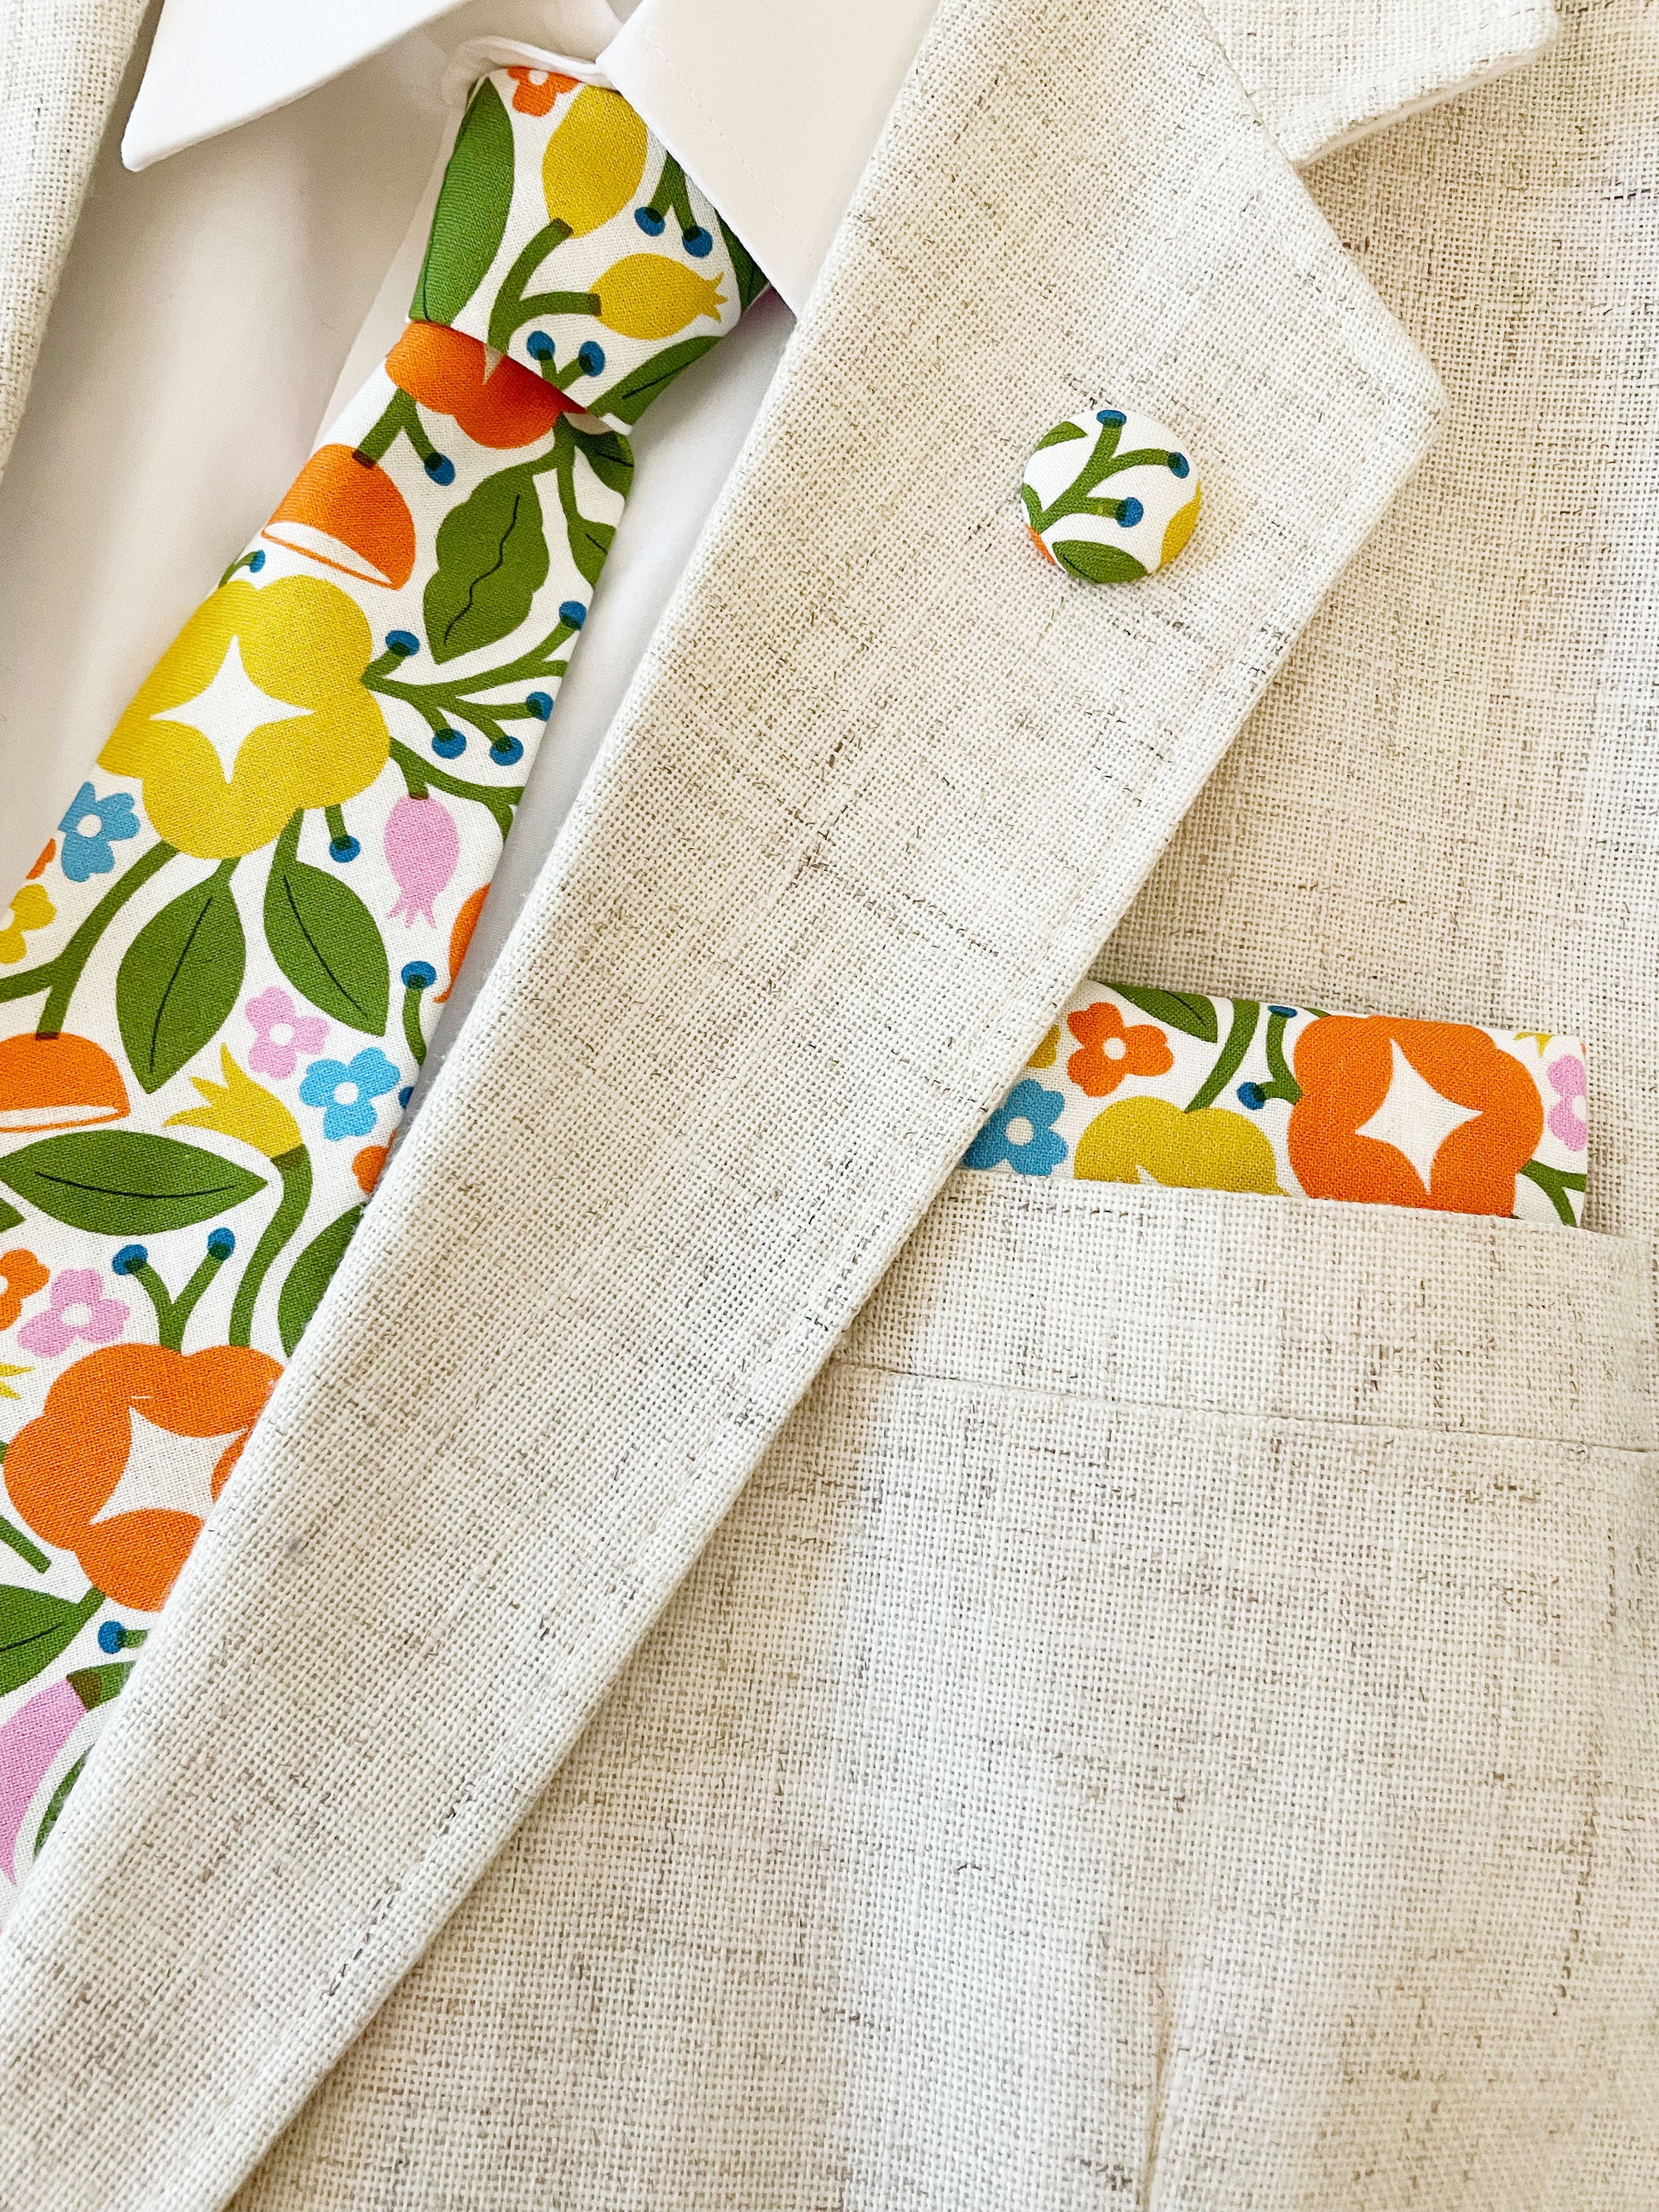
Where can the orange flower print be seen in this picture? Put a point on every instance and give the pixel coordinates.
(497, 404)
(62, 1082)
(369, 1166)
(537, 89)
(133, 1446)
(1111, 1050)
(23, 1275)
(1411, 1113)
(346, 512)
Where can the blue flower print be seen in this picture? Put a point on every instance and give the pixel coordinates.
(1021, 1132)
(86, 851)
(346, 1090)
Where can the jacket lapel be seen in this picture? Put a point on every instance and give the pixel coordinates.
(59, 68)
(881, 789)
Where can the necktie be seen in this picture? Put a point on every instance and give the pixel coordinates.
(219, 978)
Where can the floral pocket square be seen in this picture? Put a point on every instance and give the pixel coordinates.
(1138, 1085)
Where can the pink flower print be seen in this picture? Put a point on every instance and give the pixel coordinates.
(284, 1032)
(423, 845)
(78, 1309)
(1568, 1121)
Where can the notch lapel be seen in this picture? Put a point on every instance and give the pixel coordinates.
(882, 787)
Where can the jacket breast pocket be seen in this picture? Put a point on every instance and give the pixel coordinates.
(1281, 1573)
(1170, 1722)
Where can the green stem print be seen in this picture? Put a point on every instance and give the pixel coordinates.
(31, 1554)
(1281, 1083)
(420, 777)
(443, 702)
(1104, 461)
(172, 1315)
(418, 976)
(512, 310)
(58, 976)
(295, 1168)
(670, 195)
(56, 1803)
(1555, 1183)
(401, 418)
(1239, 1035)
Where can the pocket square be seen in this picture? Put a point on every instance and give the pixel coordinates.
(1141, 1085)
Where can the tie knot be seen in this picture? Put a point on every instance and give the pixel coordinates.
(569, 244)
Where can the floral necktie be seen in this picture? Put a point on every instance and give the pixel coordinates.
(220, 977)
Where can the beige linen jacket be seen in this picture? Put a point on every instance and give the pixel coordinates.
(744, 1671)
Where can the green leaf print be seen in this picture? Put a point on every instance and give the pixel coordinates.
(1097, 564)
(325, 940)
(311, 1274)
(125, 1182)
(589, 541)
(630, 395)
(610, 456)
(9, 1217)
(96, 1685)
(751, 277)
(492, 561)
(56, 1803)
(35, 1628)
(1062, 435)
(470, 219)
(1185, 1010)
(179, 977)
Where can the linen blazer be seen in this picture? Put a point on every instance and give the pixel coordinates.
(741, 1669)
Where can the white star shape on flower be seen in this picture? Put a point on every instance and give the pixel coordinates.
(231, 708)
(1414, 1118)
(165, 1473)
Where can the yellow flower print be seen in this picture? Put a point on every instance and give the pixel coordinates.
(30, 910)
(593, 161)
(262, 682)
(239, 1107)
(7, 1372)
(1209, 1150)
(647, 295)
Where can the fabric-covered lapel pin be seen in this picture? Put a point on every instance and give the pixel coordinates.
(1109, 495)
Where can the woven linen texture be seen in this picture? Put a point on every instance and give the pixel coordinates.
(1170, 1723)
(1173, 1720)
(1448, 801)
(1323, 72)
(883, 785)
(60, 64)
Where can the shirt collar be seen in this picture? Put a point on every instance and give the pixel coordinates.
(774, 112)
(775, 129)
(216, 63)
